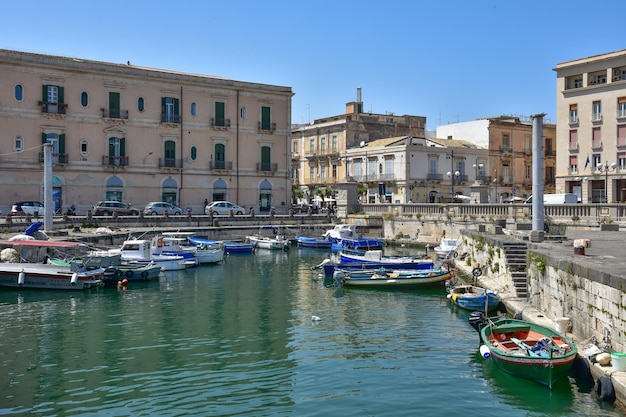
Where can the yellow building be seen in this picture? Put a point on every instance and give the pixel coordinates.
(591, 132)
(135, 134)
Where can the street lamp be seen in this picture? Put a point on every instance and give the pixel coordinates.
(452, 176)
(478, 167)
(606, 168)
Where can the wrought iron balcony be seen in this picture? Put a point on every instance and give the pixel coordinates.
(170, 118)
(266, 166)
(112, 160)
(57, 158)
(170, 163)
(114, 114)
(226, 165)
(267, 127)
(54, 108)
(220, 122)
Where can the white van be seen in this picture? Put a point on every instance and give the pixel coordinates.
(566, 198)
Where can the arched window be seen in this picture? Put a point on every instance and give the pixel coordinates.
(265, 196)
(244, 113)
(169, 153)
(140, 104)
(19, 92)
(194, 153)
(193, 109)
(220, 156)
(84, 99)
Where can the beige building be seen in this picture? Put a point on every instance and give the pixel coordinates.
(591, 133)
(135, 134)
(509, 140)
(318, 149)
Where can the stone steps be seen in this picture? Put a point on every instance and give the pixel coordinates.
(515, 255)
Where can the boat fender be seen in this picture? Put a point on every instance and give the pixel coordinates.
(455, 254)
(74, 278)
(129, 273)
(21, 278)
(476, 272)
(144, 274)
(604, 389)
(484, 351)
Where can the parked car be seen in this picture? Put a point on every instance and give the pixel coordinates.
(304, 208)
(160, 207)
(34, 208)
(224, 207)
(107, 208)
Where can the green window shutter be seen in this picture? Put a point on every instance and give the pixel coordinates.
(176, 107)
(61, 96)
(44, 138)
(62, 143)
(265, 118)
(114, 101)
(111, 147)
(170, 149)
(123, 147)
(44, 93)
(219, 113)
(220, 152)
(163, 100)
(265, 155)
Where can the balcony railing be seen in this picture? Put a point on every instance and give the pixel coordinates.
(55, 108)
(267, 127)
(507, 180)
(170, 118)
(220, 122)
(221, 165)
(573, 146)
(621, 142)
(112, 160)
(115, 114)
(266, 166)
(57, 158)
(596, 117)
(170, 163)
(506, 149)
(434, 177)
(621, 113)
(573, 120)
(596, 144)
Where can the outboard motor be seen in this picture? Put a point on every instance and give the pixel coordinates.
(339, 277)
(477, 320)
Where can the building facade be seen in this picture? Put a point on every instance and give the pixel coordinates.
(509, 140)
(135, 134)
(591, 133)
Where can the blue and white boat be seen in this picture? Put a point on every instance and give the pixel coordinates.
(375, 261)
(345, 236)
(471, 297)
(170, 245)
(229, 245)
(313, 242)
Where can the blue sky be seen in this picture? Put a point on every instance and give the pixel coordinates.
(450, 60)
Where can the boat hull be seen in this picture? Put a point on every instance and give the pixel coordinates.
(405, 279)
(512, 347)
(330, 268)
(474, 298)
(48, 276)
(313, 242)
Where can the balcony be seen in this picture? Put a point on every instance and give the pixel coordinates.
(507, 180)
(573, 119)
(114, 114)
(57, 158)
(573, 147)
(620, 142)
(220, 165)
(170, 118)
(220, 123)
(549, 153)
(266, 167)
(114, 161)
(387, 177)
(596, 145)
(506, 149)
(596, 117)
(170, 163)
(53, 108)
(266, 127)
(621, 113)
(434, 177)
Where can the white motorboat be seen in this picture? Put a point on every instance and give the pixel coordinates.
(448, 248)
(139, 250)
(269, 238)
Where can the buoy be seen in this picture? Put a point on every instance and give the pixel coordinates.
(21, 278)
(74, 279)
(484, 351)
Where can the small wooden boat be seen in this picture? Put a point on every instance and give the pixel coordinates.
(471, 297)
(527, 350)
(313, 242)
(230, 247)
(269, 237)
(408, 279)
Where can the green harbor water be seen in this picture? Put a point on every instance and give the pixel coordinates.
(237, 339)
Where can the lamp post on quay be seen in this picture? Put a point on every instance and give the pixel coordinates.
(606, 168)
(452, 175)
(477, 166)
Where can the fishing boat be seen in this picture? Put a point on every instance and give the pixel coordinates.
(377, 256)
(406, 279)
(172, 244)
(139, 250)
(329, 265)
(472, 297)
(269, 237)
(46, 275)
(194, 249)
(313, 242)
(447, 248)
(345, 236)
(527, 350)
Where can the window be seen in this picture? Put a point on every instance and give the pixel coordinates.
(220, 114)
(505, 140)
(621, 135)
(334, 171)
(266, 158)
(169, 153)
(84, 147)
(357, 169)
(311, 172)
(334, 143)
(323, 144)
(84, 99)
(573, 164)
(528, 171)
(220, 156)
(243, 113)
(115, 108)
(140, 104)
(370, 170)
(170, 110)
(596, 112)
(621, 161)
(432, 166)
(597, 160)
(573, 140)
(596, 138)
(19, 92)
(58, 146)
(194, 153)
(266, 120)
(323, 171)
(312, 146)
(117, 151)
(294, 147)
(621, 107)
(192, 109)
(52, 99)
(528, 144)
(19, 144)
(573, 113)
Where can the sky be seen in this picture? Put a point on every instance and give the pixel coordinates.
(449, 60)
